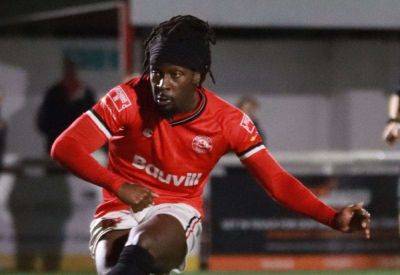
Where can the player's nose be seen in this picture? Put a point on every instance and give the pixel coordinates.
(161, 92)
(164, 82)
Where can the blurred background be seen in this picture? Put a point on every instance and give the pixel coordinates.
(317, 75)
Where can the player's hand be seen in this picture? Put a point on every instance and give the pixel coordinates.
(138, 197)
(353, 218)
(391, 133)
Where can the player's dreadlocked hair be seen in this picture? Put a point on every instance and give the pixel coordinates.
(183, 27)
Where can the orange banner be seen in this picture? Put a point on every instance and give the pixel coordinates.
(303, 262)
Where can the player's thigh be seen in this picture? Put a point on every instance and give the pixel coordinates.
(164, 238)
(108, 249)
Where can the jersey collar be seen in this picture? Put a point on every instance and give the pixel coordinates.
(190, 116)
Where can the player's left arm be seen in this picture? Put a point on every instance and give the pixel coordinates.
(292, 194)
(246, 142)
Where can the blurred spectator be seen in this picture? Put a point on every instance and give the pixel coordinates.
(250, 106)
(63, 103)
(3, 133)
(40, 202)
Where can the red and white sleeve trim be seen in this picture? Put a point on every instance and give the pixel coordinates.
(251, 151)
(99, 123)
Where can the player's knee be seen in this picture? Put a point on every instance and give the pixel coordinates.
(163, 261)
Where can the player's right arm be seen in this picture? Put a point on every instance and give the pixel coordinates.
(73, 148)
(391, 133)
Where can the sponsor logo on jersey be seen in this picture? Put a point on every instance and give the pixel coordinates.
(147, 132)
(202, 144)
(247, 124)
(119, 98)
(190, 179)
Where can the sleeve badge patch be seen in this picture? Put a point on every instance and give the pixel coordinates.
(247, 124)
(119, 98)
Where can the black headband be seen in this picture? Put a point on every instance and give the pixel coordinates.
(188, 53)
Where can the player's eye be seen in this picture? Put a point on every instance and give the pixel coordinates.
(176, 74)
(155, 74)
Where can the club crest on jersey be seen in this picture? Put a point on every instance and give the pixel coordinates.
(119, 98)
(202, 144)
(247, 124)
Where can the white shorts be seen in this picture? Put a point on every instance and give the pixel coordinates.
(126, 219)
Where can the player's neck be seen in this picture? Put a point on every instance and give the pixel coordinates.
(192, 108)
(194, 104)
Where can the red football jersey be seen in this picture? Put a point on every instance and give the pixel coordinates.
(172, 157)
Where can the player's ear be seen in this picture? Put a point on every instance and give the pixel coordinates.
(196, 78)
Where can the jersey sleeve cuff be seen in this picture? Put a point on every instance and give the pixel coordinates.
(116, 185)
(331, 214)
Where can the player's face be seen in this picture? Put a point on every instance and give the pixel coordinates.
(174, 88)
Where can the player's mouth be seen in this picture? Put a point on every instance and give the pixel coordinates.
(163, 100)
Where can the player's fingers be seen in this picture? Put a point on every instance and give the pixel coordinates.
(149, 198)
(139, 198)
(391, 133)
(358, 207)
(366, 228)
(359, 204)
(362, 214)
(365, 213)
(145, 199)
(153, 196)
(140, 203)
(390, 141)
(137, 207)
(395, 131)
(385, 134)
(365, 223)
(367, 233)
